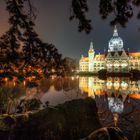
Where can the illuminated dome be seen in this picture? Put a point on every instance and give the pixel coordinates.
(115, 43)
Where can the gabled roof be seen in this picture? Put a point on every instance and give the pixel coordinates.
(119, 53)
(84, 59)
(100, 57)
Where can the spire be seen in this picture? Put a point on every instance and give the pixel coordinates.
(91, 45)
(115, 31)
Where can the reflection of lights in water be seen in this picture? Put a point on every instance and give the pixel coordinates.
(124, 85)
(115, 117)
(124, 64)
(6, 79)
(24, 83)
(77, 77)
(93, 96)
(90, 83)
(116, 65)
(109, 85)
(72, 78)
(93, 85)
(126, 90)
(110, 65)
(116, 85)
(115, 105)
(14, 83)
(53, 77)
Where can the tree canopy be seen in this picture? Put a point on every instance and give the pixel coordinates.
(22, 52)
(122, 11)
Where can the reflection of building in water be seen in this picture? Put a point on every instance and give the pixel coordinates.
(116, 106)
(135, 86)
(116, 89)
(83, 84)
(116, 59)
(120, 86)
(92, 86)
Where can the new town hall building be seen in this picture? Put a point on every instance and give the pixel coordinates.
(115, 60)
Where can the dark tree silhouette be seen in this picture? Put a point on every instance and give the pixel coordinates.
(122, 11)
(21, 49)
(78, 10)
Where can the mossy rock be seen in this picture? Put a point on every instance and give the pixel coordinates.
(69, 121)
(6, 123)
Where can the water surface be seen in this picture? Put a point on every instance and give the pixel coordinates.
(117, 98)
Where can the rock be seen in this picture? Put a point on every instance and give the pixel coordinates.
(6, 123)
(110, 133)
(69, 121)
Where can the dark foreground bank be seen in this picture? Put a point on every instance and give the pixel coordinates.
(69, 121)
(73, 120)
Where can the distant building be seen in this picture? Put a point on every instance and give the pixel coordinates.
(115, 60)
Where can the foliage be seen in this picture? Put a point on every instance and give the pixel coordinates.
(21, 50)
(28, 105)
(8, 98)
(78, 10)
(122, 11)
(70, 65)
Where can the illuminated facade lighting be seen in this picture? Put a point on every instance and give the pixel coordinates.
(116, 59)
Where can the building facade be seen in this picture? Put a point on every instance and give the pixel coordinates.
(115, 60)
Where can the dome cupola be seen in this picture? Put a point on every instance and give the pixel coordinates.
(115, 43)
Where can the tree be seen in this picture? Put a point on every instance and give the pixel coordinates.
(23, 52)
(70, 65)
(121, 9)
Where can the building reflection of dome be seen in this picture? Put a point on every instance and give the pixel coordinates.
(124, 85)
(116, 85)
(115, 105)
(109, 85)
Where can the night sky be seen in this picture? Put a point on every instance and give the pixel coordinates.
(53, 26)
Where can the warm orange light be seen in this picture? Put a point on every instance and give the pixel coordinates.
(135, 54)
(14, 83)
(24, 83)
(6, 79)
(135, 96)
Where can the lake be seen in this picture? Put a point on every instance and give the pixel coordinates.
(117, 98)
